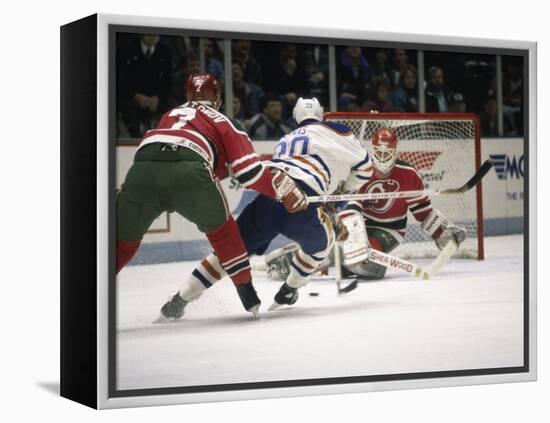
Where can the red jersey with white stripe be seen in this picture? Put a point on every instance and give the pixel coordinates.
(391, 214)
(210, 134)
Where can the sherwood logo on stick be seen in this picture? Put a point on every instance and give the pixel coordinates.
(395, 262)
(508, 166)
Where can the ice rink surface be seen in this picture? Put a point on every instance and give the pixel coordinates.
(469, 316)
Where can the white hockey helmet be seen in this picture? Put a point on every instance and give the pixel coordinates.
(307, 108)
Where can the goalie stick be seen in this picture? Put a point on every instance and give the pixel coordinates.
(426, 272)
(473, 181)
(388, 260)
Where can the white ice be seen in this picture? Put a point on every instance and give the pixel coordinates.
(469, 316)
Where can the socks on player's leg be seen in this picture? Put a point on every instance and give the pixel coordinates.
(202, 277)
(302, 267)
(208, 272)
(231, 251)
(125, 250)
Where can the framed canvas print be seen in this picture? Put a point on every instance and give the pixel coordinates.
(255, 211)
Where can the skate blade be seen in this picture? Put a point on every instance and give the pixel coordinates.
(255, 311)
(162, 319)
(274, 306)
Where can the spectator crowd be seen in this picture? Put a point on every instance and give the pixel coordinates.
(268, 77)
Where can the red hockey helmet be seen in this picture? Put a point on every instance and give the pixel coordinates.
(204, 88)
(384, 146)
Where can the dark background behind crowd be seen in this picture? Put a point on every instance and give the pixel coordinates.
(268, 77)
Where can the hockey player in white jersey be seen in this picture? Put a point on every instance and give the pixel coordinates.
(318, 156)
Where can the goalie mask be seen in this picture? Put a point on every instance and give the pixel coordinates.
(384, 150)
(204, 88)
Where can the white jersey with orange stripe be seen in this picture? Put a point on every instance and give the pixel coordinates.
(321, 155)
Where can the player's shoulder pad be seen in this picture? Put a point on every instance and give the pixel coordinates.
(338, 127)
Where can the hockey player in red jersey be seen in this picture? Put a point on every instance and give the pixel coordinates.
(386, 220)
(178, 166)
(317, 156)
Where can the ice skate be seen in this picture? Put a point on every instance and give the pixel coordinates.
(172, 310)
(286, 296)
(249, 298)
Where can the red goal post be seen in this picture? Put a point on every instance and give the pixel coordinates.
(445, 148)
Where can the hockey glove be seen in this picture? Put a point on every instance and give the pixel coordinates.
(438, 227)
(292, 197)
(451, 232)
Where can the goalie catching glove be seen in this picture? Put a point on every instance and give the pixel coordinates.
(288, 193)
(438, 227)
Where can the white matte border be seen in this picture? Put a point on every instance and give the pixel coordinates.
(103, 22)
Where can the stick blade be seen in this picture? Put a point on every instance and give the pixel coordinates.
(348, 288)
(443, 257)
(474, 180)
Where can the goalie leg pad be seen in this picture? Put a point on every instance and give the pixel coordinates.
(381, 240)
(278, 261)
(311, 230)
(355, 248)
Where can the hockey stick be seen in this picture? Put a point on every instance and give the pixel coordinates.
(262, 267)
(338, 265)
(446, 253)
(473, 181)
(387, 260)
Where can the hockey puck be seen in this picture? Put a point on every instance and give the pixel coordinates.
(313, 294)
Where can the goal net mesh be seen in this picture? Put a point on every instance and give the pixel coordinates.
(443, 150)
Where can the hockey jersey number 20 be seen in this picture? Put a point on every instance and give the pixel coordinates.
(321, 154)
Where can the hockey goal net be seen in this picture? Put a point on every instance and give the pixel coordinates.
(445, 149)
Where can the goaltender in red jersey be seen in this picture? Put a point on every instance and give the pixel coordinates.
(386, 219)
